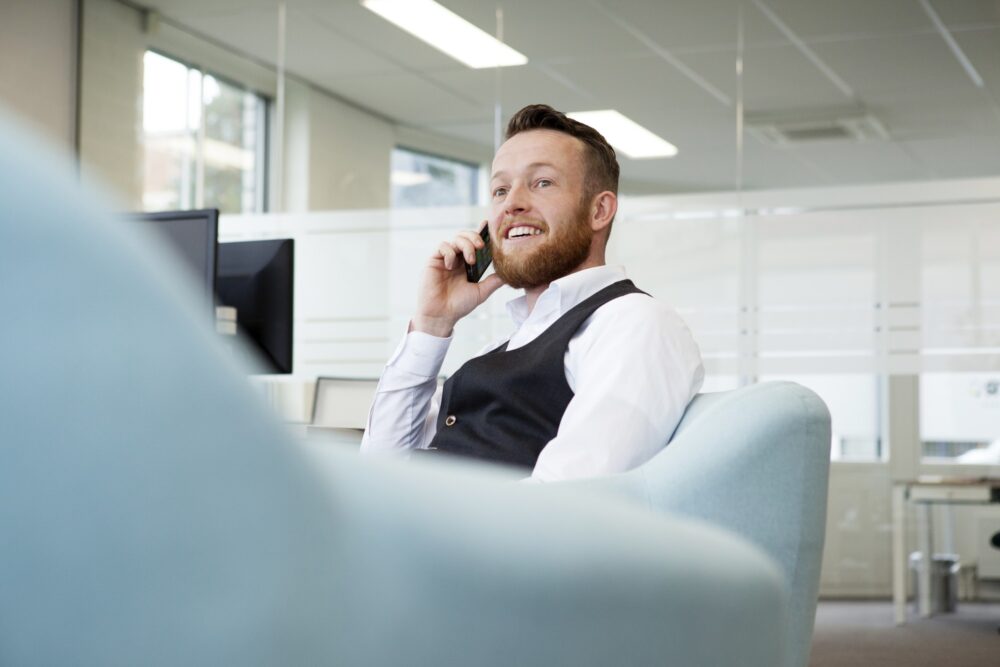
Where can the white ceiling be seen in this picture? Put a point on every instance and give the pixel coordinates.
(670, 65)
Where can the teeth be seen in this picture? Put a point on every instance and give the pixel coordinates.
(523, 231)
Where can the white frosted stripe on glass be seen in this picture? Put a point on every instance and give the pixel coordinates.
(819, 319)
(903, 316)
(904, 340)
(816, 344)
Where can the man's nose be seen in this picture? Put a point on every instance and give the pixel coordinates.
(517, 201)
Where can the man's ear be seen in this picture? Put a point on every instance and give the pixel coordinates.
(603, 210)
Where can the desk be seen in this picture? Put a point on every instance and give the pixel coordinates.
(923, 493)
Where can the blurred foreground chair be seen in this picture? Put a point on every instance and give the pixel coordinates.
(755, 461)
(151, 513)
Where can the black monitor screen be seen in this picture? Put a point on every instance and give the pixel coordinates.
(257, 278)
(193, 235)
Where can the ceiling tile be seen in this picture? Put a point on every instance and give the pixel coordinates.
(927, 121)
(962, 157)
(679, 25)
(547, 30)
(184, 10)
(865, 162)
(965, 12)
(519, 86)
(982, 47)
(640, 82)
(775, 78)
(897, 63)
(812, 19)
(321, 53)
(251, 31)
(407, 98)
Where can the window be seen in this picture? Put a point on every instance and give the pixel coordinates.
(419, 179)
(960, 417)
(203, 139)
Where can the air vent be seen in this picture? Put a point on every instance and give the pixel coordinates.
(818, 133)
(825, 126)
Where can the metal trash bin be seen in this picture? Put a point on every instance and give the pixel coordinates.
(944, 581)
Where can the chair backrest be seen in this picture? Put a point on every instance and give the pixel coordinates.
(754, 461)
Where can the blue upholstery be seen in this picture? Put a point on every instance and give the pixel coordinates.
(152, 513)
(755, 461)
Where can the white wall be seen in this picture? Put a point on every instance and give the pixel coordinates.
(336, 156)
(349, 163)
(38, 65)
(110, 100)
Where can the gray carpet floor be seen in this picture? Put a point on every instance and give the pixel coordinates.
(863, 634)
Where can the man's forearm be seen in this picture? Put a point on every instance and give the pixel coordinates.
(397, 419)
(404, 407)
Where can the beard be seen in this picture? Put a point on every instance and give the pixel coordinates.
(558, 255)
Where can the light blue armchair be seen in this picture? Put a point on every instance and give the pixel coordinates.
(755, 461)
(151, 512)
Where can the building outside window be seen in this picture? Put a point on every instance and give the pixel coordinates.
(204, 140)
(419, 179)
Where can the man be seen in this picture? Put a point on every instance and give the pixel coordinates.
(596, 375)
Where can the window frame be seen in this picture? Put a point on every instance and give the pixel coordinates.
(262, 150)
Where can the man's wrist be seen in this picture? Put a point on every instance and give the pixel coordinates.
(433, 326)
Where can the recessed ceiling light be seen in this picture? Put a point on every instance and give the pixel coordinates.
(448, 32)
(625, 134)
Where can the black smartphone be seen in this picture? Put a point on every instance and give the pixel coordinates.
(484, 256)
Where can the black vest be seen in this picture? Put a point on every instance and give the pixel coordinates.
(505, 406)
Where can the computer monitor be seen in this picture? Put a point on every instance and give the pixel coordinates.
(257, 278)
(193, 236)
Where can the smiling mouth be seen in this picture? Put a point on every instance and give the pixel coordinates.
(522, 231)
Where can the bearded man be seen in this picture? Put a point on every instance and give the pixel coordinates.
(596, 375)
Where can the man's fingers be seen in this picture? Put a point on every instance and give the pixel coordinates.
(473, 237)
(448, 254)
(465, 244)
(467, 248)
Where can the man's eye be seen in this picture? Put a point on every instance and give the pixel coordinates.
(543, 183)
(500, 192)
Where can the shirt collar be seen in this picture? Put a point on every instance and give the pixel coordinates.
(566, 292)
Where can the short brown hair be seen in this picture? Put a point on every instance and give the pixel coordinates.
(602, 163)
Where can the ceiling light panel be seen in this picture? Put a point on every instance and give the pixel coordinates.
(447, 32)
(625, 134)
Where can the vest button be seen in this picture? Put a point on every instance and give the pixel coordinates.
(450, 421)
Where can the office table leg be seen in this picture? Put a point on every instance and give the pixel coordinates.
(924, 573)
(899, 563)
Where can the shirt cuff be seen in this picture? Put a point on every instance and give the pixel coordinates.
(420, 354)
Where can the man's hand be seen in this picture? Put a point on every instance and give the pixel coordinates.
(446, 295)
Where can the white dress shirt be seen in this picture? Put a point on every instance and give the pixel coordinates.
(633, 368)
